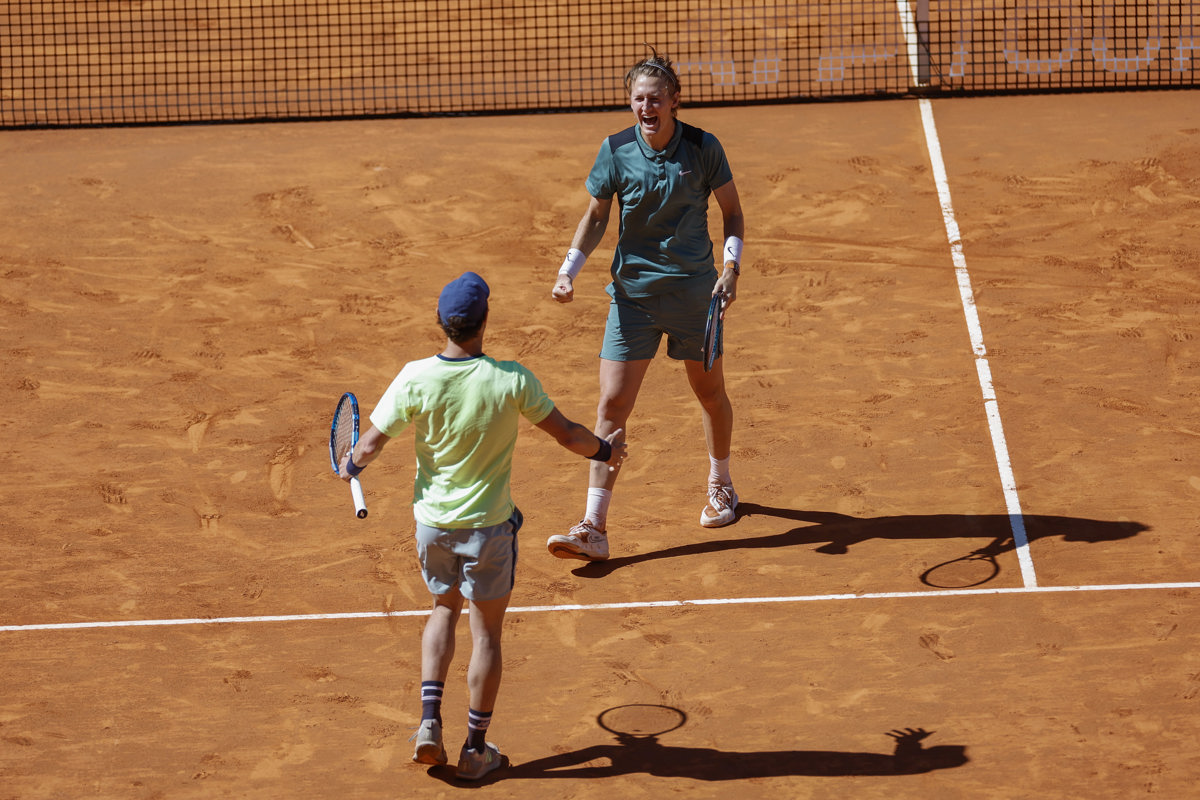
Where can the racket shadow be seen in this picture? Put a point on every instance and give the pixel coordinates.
(831, 533)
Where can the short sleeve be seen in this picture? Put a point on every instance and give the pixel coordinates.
(716, 165)
(394, 411)
(534, 404)
(601, 181)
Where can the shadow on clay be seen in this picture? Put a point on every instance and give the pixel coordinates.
(835, 534)
(637, 750)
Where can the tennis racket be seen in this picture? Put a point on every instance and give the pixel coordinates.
(343, 435)
(713, 329)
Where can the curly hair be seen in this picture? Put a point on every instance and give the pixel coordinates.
(655, 66)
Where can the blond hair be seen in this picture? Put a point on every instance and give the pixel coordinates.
(655, 66)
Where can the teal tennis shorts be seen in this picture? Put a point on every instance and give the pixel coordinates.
(636, 325)
(481, 562)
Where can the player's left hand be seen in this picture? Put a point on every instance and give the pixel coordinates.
(727, 283)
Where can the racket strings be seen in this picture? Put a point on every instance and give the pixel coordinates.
(343, 432)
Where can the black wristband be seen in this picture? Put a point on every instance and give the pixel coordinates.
(604, 453)
(353, 469)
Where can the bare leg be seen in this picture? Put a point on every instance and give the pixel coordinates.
(709, 388)
(486, 669)
(620, 382)
(437, 643)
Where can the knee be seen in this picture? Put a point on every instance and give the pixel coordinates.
(486, 641)
(613, 409)
(713, 398)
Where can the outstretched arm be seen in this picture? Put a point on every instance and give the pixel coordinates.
(370, 444)
(580, 441)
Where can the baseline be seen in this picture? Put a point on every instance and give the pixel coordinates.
(724, 601)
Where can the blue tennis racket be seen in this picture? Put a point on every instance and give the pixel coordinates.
(343, 435)
(713, 330)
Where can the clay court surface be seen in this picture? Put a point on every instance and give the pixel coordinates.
(181, 307)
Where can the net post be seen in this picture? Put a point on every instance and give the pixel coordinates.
(923, 60)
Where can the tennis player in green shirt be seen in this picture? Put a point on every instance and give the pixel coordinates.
(661, 172)
(464, 407)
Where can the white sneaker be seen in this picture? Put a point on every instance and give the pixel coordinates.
(583, 542)
(722, 506)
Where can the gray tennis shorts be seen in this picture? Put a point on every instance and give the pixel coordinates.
(481, 562)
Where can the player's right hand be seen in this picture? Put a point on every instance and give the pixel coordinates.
(564, 289)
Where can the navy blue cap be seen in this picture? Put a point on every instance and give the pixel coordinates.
(466, 296)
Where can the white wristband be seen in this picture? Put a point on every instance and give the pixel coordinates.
(573, 263)
(733, 249)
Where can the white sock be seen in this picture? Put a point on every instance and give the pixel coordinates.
(597, 508)
(718, 471)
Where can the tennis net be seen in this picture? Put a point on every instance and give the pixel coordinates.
(112, 62)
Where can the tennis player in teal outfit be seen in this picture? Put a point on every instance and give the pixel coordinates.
(661, 172)
(464, 407)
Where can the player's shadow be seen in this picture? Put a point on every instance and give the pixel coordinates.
(835, 534)
(647, 755)
(643, 753)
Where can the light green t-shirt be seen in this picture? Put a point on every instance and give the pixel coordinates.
(465, 415)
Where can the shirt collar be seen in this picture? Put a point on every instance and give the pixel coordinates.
(460, 360)
(666, 152)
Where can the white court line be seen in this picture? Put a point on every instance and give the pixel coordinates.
(1008, 481)
(727, 601)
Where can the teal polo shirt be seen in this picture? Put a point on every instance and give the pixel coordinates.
(663, 245)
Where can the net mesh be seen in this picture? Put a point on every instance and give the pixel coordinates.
(103, 62)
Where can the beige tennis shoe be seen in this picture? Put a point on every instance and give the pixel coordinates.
(722, 506)
(583, 541)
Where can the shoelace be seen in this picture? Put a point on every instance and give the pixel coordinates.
(416, 733)
(720, 497)
(585, 531)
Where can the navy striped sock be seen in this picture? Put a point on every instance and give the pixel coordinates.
(477, 725)
(431, 700)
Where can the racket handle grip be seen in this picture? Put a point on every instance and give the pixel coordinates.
(360, 502)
